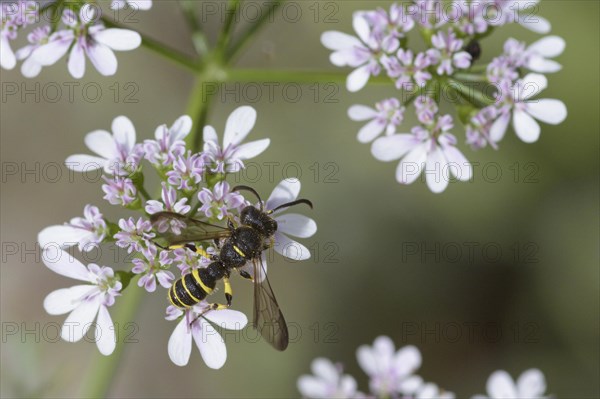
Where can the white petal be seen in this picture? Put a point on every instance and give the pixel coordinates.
(361, 27)
(119, 39)
(66, 299)
(103, 58)
(411, 165)
(251, 149)
(238, 125)
(296, 225)
(348, 386)
(539, 64)
(102, 143)
(30, 68)
(358, 78)
(210, 343)
(210, 134)
(63, 263)
(391, 148)
(106, 339)
(532, 84)
(290, 248)
(287, 190)
(228, 319)
(180, 344)
(323, 368)
(361, 113)
(534, 23)
(549, 46)
(498, 129)
(459, 166)
(124, 132)
(531, 384)
(311, 387)
(366, 359)
(371, 130)
(7, 56)
(526, 127)
(140, 4)
(335, 40)
(63, 236)
(411, 384)
(501, 385)
(85, 163)
(407, 360)
(181, 128)
(76, 63)
(80, 320)
(548, 110)
(51, 52)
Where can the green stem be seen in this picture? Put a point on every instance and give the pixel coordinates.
(225, 36)
(251, 31)
(97, 381)
(144, 193)
(469, 93)
(159, 48)
(294, 76)
(467, 77)
(198, 37)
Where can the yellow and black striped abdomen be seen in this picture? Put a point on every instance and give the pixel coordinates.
(191, 289)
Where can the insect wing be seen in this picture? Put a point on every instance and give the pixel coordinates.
(268, 319)
(192, 230)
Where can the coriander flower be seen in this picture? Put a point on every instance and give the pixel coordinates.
(151, 268)
(362, 53)
(188, 260)
(429, 148)
(187, 172)
(407, 70)
(550, 111)
(169, 144)
(133, 4)
(508, 11)
(209, 342)
(530, 385)
(217, 203)
(14, 16)
(387, 116)
(119, 191)
(134, 235)
(84, 36)
(230, 156)
(87, 231)
(292, 224)
(327, 381)
(448, 53)
(390, 371)
(116, 154)
(84, 303)
(38, 37)
(171, 204)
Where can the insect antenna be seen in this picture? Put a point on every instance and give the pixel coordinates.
(297, 202)
(253, 191)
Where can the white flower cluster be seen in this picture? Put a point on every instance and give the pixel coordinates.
(454, 35)
(392, 375)
(193, 185)
(80, 33)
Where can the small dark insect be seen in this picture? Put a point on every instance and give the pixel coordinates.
(474, 49)
(237, 246)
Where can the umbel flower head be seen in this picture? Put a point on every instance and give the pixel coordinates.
(79, 34)
(391, 375)
(454, 35)
(193, 187)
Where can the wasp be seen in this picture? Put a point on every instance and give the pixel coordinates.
(237, 245)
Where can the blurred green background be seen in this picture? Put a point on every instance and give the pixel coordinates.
(498, 273)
